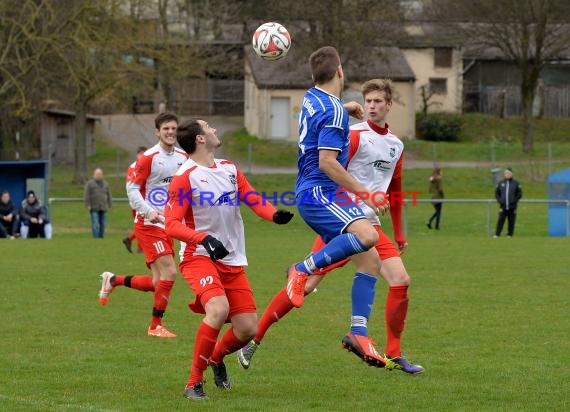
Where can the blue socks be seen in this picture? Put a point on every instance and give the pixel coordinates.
(337, 249)
(363, 290)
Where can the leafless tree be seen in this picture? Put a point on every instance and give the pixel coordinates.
(529, 33)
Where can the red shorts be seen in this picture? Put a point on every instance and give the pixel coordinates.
(208, 279)
(154, 242)
(386, 249)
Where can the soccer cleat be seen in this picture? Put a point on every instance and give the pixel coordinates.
(160, 332)
(195, 392)
(296, 286)
(128, 244)
(245, 354)
(221, 378)
(106, 287)
(402, 364)
(364, 348)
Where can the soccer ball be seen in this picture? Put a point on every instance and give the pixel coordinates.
(271, 41)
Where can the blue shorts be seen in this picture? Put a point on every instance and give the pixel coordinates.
(328, 211)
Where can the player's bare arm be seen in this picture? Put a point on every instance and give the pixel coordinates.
(354, 109)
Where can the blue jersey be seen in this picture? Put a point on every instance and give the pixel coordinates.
(323, 124)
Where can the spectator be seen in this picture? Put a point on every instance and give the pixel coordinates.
(97, 200)
(34, 218)
(8, 217)
(508, 193)
(436, 191)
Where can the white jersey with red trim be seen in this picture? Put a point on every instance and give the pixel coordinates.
(152, 174)
(213, 194)
(374, 156)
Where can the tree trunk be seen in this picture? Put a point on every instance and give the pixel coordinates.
(80, 175)
(527, 97)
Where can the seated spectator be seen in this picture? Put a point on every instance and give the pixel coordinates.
(9, 219)
(33, 216)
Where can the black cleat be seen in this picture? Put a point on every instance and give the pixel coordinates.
(195, 392)
(221, 378)
(128, 244)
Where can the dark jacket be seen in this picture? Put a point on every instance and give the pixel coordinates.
(7, 208)
(508, 193)
(29, 210)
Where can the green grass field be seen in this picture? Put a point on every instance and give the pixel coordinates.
(488, 320)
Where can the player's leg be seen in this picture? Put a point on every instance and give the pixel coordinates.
(396, 310)
(363, 292)
(279, 306)
(144, 283)
(204, 280)
(243, 319)
(166, 268)
(342, 225)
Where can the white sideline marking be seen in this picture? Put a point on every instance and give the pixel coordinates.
(56, 405)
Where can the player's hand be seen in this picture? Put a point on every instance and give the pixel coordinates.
(402, 246)
(355, 109)
(215, 248)
(155, 217)
(282, 217)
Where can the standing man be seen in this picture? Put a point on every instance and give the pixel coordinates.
(324, 204)
(98, 199)
(508, 193)
(128, 241)
(203, 213)
(375, 160)
(147, 190)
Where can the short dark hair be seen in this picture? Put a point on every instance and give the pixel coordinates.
(163, 118)
(324, 63)
(186, 134)
(141, 149)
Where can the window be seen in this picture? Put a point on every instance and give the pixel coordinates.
(442, 57)
(438, 85)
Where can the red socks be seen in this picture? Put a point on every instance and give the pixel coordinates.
(161, 297)
(228, 344)
(396, 311)
(279, 306)
(138, 282)
(203, 348)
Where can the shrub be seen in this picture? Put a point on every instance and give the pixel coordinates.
(439, 127)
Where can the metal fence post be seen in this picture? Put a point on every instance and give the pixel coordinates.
(489, 218)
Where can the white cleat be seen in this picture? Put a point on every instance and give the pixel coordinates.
(106, 287)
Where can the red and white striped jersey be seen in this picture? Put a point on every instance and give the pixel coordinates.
(374, 159)
(153, 173)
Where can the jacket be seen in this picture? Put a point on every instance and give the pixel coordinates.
(508, 193)
(29, 210)
(436, 188)
(7, 208)
(97, 196)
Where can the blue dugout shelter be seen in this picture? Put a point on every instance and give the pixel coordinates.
(18, 177)
(559, 213)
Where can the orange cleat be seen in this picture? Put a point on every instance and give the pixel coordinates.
(160, 332)
(296, 286)
(364, 348)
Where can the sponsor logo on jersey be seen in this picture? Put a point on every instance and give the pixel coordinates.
(381, 164)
